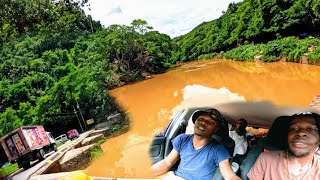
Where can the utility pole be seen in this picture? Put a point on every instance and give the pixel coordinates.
(85, 126)
(75, 112)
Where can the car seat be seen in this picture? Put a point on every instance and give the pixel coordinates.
(276, 139)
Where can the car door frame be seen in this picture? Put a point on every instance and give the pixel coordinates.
(160, 146)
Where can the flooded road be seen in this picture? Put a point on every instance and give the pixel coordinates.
(150, 103)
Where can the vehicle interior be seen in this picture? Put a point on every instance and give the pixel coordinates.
(258, 114)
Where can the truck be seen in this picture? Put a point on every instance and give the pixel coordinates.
(73, 134)
(26, 144)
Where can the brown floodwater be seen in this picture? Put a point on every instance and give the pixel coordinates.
(150, 103)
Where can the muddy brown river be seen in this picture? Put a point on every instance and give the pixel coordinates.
(150, 103)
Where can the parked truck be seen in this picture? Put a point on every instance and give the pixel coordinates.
(26, 144)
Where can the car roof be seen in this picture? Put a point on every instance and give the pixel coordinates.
(258, 113)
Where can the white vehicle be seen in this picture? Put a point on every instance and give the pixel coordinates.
(61, 139)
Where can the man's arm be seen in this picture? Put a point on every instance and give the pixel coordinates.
(165, 164)
(227, 171)
(257, 171)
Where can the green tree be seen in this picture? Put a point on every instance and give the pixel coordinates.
(141, 26)
(9, 121)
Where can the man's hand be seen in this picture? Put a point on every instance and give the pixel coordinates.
(227, 171)
(165, 164)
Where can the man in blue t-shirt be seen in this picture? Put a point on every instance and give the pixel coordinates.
(199, 154)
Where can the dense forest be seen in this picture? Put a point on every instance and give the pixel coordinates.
(251, 23)
(57, 63)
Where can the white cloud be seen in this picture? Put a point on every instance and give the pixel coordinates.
(172, 17)
(114, 10)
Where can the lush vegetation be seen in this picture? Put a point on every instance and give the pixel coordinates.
(287, 49)
(56, 63)
(8, 169)
(252, 22)
(96, 151)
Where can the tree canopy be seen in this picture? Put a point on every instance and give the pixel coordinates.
(56, 62)
(250, 21)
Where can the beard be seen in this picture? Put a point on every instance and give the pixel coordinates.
(298, 153)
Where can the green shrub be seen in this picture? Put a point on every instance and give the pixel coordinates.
(114, 128)
(270, 51)
(207, 56)
(60, 143)
(290, 48)
(269, 58)
(5, 171)
(287, 45)
(96, 152)
(243, 53)
(314, 56)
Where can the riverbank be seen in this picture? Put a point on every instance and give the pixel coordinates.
(289, 49)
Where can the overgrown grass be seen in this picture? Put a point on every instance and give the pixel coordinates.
(60, 143)
(243, 53)
(314, 56)
(291, 49)
(5, 171)
(207, 56)
(96, 152)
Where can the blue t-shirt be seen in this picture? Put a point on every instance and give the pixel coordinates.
(201, 163)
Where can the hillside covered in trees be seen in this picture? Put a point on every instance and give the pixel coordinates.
(254, 22)
(56, 63)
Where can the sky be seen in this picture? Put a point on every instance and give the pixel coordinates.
(172, 17)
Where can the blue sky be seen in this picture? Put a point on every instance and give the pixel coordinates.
(172, 17)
